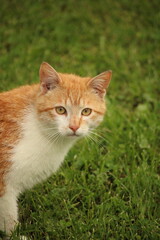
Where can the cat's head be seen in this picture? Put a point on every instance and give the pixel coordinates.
(69, 105)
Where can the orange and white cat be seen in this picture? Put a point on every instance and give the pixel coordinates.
(38, 126)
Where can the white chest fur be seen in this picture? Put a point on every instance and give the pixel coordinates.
(35, 157)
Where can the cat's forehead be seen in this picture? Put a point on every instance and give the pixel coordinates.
(71, 81)
(74, 97)
(74, 89)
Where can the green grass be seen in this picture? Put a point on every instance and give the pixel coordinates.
(110, 189)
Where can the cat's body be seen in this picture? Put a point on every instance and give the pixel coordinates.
(38, 126)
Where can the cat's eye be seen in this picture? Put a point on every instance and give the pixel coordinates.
(60, 110)
(86, 111)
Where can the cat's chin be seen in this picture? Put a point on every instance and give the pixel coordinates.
(74, 135)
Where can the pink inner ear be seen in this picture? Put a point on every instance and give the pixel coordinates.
(101, 82)
(49, 78)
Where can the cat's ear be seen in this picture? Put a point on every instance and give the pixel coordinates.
(101, 82)
(49, 78)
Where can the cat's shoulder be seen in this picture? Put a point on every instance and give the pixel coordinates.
(13, 102)
(19, 91)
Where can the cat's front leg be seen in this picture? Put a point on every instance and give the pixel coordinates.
(8, 211)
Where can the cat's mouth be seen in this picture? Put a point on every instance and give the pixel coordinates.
(73, 135)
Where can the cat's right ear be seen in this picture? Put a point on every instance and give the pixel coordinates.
(49, 78)
(100, 83)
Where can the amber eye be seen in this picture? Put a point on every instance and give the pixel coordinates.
(86, 111)
(60, 110)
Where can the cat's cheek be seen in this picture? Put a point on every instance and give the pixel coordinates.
(47, 117)
(64, 131)
(95, 123)
(62, 125)
(83, 131)
(98, 120)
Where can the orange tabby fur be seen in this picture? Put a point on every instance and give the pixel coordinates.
(35, 137)
(13, 103)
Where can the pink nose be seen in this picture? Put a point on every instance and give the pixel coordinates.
(74, 128)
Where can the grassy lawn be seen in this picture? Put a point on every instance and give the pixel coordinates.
(108, 189)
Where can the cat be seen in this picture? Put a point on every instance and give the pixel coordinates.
(38, 125)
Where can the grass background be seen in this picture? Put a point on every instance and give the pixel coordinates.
(109, 189)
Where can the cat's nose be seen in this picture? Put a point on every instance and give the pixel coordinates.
(74, 127)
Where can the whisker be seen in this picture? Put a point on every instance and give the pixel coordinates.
(99, 136)
(92, 139)
(104, 130)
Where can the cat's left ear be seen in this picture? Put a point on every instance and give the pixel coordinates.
(101, 82)
(49, 78)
